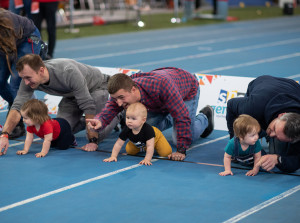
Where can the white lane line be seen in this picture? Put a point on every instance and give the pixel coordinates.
(208, 142)
(5, 208)
(159, 38)
(263, 205)
(220, 52)
(294, 76)
(251, 63)
(86, 181)
(176, 46)
(159, 48)
(20, 143)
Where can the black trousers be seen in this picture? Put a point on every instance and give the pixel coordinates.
(66, 137)
(47, 12)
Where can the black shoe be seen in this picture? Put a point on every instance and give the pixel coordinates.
(18, 131)
(209, 112)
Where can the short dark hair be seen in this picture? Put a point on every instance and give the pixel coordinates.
(120, 81)
(34, 61)
(292, 126)
(36, 110)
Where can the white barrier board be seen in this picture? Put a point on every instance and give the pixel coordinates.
(216, 90)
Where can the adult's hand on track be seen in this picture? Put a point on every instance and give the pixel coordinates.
(4, 143)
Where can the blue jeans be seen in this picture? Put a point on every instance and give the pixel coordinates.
(164, 121)
(27, 7)
(9, 91)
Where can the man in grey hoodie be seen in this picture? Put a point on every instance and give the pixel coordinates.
(83, 88)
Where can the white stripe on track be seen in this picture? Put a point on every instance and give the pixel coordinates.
(251, 63)
(20, 143)
(263, 205)
(29, 200)
(294, 76)
(220, 52)
(5, 208)
(171, 36)
(208, 142)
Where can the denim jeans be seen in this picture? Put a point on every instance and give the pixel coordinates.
(27, 7)
(164, 121)
(9, 91)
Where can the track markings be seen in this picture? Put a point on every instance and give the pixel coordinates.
(5, 208)
(29, 200)
(263, 205)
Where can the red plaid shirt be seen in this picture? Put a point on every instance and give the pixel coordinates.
(163, 90)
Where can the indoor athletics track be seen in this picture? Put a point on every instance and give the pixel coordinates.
(76, 186)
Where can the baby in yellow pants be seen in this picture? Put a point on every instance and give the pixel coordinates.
(141, 136)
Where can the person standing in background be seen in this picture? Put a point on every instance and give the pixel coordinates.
(17, 10)
(47, 11)
(18, 37)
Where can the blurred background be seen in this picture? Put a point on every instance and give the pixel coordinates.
(81, 18)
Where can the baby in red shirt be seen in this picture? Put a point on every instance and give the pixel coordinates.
(56, 132)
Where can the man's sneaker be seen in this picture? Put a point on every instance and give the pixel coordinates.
(18, 131)
(209, 112)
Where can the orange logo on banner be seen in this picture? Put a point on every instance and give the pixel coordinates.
(201, 82)
(209, 78)
(125, 71)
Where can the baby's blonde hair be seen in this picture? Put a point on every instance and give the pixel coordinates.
(245, 124)
(138, 108)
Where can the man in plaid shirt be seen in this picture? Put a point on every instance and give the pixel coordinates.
(171, 96)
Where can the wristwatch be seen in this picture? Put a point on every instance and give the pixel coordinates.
(182, 150)
(93, 140)
(279, 159)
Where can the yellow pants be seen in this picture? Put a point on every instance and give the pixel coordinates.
(161, 145)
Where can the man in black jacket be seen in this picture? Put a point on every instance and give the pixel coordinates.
(275, 103)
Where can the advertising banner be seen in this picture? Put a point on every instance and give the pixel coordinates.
(216, 90)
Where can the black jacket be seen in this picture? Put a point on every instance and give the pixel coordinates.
(265, 99)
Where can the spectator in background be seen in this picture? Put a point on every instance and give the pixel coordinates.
(4, 4)
(47, 11)
(17, 10)
(197, 4)
(18, 37)
(215, 7)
